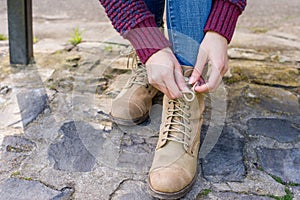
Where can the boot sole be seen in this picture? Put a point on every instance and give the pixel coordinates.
(175, 195)
(131, 122)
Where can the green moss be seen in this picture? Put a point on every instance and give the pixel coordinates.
(52, 86)
(35, 40)
(293, 184)
(235, 79)
(258, 30)
(204, 193)
(3, 37)
(108, 48)
(278, 179)
(288, 196)
(237, 76)
(260, 168)
(10, 148)
(108, 76)
(27, 178)
(16, 173)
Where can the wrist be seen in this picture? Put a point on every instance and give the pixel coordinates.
(147, 39)
(223, 18)
(212, 35)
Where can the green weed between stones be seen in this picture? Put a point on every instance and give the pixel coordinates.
(288, 196)
(204, 193)
(27, 178)
(76, 37)
(258, 30)
(16, 173)
(108, 48)
(279, 180)
(3, 37)
(35, 40)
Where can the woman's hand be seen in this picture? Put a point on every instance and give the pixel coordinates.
(165, 73)
(214, 49)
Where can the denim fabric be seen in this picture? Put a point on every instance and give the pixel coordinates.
(185, 21)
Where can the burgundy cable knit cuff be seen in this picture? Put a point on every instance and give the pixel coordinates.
(146, 38)
(223, 18)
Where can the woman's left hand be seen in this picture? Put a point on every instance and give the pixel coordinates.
(214, 49)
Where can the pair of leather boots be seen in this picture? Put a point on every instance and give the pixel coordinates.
(174, 166)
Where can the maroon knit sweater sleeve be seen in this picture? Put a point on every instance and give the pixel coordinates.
(136, 23)
(223, 17)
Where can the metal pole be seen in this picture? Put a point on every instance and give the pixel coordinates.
(20, 31)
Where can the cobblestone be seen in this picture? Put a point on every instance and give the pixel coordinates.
(58, 142)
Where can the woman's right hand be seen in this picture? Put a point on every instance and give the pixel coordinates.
(165, 73)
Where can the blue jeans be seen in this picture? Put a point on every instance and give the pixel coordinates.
(185, 21)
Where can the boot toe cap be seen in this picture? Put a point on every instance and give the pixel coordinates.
(169, 180)
(126, 110)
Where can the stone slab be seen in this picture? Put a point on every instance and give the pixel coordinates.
(283, 163)
(23, 190)
(132, 190)
(31, 104)
(70, 154)
(231, 195)
(280, 129)
(225, 161)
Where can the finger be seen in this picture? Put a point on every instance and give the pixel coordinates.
(179, 79)
(161, 87)
(203, 88)
(173, 89)
(225, 68)
(199, 66)
(213, 81)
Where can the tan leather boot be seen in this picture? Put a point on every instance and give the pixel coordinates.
(133, 104)
(174, 167)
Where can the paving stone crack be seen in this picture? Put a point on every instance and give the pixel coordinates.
(112, 194)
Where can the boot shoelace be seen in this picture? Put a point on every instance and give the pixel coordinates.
(180, 119)
(139, 76)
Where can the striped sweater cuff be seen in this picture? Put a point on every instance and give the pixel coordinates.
(147, 39)
(223, 18)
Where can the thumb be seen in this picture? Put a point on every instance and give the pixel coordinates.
(199, 66)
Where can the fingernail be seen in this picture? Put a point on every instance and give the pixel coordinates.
(192, 80)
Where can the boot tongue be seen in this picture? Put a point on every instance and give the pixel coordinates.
(187, 71)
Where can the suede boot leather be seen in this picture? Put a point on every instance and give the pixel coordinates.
(174, 166)
(133, 104)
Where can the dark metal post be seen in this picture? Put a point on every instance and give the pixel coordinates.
(20, 31)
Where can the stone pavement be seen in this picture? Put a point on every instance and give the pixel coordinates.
(57, 141)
